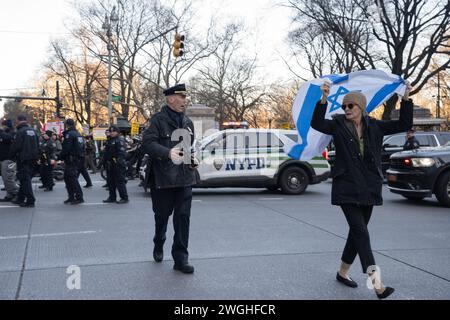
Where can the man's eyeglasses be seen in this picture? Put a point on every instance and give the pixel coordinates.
(350, 106)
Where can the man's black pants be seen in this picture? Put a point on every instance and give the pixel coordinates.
(358, 241)
(46, 172)
(83, 171)
(25, 174)
(177, 202)
(116, 180)
(71, 179)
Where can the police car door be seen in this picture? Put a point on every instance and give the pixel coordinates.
(262, 153)
(221, 158)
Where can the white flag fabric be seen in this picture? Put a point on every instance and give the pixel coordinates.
(378, 86)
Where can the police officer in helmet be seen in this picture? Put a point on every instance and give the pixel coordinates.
(25, 149)
(71, 154)
(172, 175)
(116, 167)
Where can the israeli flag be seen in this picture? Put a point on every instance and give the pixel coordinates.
(378, 86)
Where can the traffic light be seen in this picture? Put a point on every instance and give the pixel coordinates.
(178, 45)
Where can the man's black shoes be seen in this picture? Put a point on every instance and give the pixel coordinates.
(6, 199)
(68, 201)
(88, 186)
(158, 255)
(184, 268)
(109, 201)
(123, 201)
(348, 282)
(77, 202)
(26, 205)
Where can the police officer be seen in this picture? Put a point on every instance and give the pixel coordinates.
(114, 159)
(47, 160)
(71, 154)
(172, 175)
(82, 169)
(411, 142)
(8, 166)
(25, 149)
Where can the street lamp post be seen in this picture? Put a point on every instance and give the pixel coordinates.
(109, 23)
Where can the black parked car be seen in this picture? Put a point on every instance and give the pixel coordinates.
(394, 143)
(421, 173)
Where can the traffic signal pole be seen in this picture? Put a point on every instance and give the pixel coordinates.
(56, 100)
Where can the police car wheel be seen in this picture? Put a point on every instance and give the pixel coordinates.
(443, 189)
(294, 180)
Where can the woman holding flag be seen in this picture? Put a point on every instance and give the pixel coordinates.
(357, 175)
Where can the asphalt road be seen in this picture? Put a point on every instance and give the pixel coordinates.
(244, 244)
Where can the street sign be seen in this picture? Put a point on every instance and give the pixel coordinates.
(135, 128)
(99, 134)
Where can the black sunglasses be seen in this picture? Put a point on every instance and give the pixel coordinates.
(350, 106)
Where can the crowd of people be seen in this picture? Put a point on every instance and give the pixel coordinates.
(24, 153)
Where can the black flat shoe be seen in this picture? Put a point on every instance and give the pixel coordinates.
(123, 201)
(158, 256)
(184, 268)
(348, 282)
(26, 205)
(77, 202)
(109, 201)
(88, 186)
(69, 201)
(387, 292)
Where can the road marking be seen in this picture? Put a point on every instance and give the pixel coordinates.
(93, 204)
(271, 199)
(48, 235)
(1, 207)
(197, 200)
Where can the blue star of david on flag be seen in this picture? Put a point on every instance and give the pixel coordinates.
(335, 105)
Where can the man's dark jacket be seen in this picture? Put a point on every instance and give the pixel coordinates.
(116, 151)
(48, 151)
(158, 143)
(411, 144)
(72, 146)
(358, 179)
(6, 140)
(26, 144)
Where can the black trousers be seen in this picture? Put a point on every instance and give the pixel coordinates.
(116, 180)
(90, 162)
(25, 174)
(358, 241)
(177, 202)
(71, 174)
(83, 171)
(46, 172)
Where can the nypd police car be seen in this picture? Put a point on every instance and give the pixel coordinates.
(255, 158)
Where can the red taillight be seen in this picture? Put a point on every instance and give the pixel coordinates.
(407, 162)
(325, 155)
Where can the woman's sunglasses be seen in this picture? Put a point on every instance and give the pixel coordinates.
(350, 106)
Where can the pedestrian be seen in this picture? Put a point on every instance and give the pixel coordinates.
(58, 144)
(8, 166)
(411, 142)
(172, 177)
(25, 149)
(82, 166)
(71, 154)
(116, 167)
(47, 160)
(357, 175)
(90, 154)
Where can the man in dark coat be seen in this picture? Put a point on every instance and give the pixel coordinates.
(411, 142)
(72, 154)
(8, 166)
(114, 158)
(172, 175)
(357, 175)
(47, 160)
(25, 149)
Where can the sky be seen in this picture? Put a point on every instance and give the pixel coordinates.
(27, 27)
